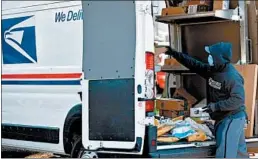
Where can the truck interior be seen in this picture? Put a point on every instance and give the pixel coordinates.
(190, 33)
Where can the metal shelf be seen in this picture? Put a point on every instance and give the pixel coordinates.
(213, 16)
(182, 70)
(174, 69)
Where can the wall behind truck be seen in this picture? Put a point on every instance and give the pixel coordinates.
(253, 35)
(253, 29)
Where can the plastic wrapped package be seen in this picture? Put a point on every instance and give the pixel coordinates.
(156, 122)
(198, 136)
(170, 130)
(164, 129)
(210, 125)
(180, 118)
(201, 127)
(182, 130)
(167, 139)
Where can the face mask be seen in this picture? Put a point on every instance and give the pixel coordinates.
(210, 60)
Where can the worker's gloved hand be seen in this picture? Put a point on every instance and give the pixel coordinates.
(166, 49)
(170, 50)
(209, 108)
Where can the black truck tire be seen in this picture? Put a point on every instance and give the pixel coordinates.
(78, 150)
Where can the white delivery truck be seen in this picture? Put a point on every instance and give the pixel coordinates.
(46, 75)
(78, 80)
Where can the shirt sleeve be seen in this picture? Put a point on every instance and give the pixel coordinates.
(203, 69)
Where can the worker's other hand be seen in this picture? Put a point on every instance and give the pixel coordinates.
(209, 108)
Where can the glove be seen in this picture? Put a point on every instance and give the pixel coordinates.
(169, 51)
(209, 108)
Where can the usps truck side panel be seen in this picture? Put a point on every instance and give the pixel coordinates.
(42, 58)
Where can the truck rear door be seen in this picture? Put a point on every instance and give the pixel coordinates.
(114, 75)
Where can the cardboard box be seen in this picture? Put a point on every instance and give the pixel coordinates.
(256, 119)
(253, 150)
(249, 73)
(208, 3)
(182, 93)
(168, 114)
(172, 62)
(193, 9)
(190, 9)
(230, 4)
(173, 114)
(173, 11)
(197, 2)
(170, 104)
(221, 4)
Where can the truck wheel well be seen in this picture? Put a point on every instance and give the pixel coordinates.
(76, 128)
(72, 127)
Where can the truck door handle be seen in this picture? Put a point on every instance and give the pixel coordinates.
(145, 99)
(80, 94)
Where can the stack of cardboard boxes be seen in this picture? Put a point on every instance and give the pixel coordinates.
(196, 6)
(177, 106)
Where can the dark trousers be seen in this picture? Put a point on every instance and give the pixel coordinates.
(230, 137)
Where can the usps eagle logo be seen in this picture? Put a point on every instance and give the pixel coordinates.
(18, 40)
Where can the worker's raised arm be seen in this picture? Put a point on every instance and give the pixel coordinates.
(191, 63)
